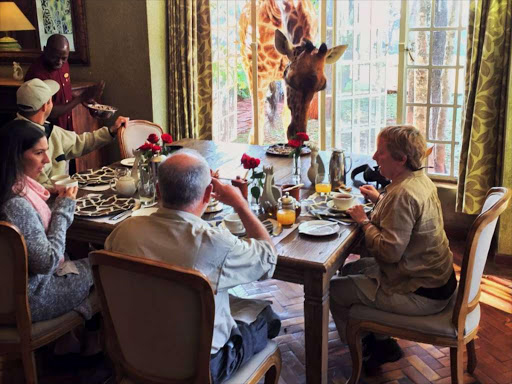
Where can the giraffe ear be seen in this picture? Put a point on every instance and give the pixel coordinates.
(282, 44)
(335, 53)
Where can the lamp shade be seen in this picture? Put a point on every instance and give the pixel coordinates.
(12, 19)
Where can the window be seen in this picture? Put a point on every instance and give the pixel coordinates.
(405, 64)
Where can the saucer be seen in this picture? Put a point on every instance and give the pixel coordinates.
(214, 208)
(128, 162)
(239, 234)
(332, 207)
(319, 228)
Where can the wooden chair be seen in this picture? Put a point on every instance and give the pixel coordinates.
(457, 325)
(134, 134)
(18, 334)
(159, 323)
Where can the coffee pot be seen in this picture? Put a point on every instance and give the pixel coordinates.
(338, 168)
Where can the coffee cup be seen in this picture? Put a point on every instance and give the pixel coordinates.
(56, 178)
(233, 223)
(343, 201)
(125, 186)
(65, 184)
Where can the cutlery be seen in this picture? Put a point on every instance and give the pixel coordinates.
(120, 216)
(314, 227)
(293, 187)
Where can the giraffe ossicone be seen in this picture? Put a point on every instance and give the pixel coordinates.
(304, 76)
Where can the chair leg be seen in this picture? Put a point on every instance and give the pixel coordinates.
(457, 364)
(272, 375)
(356, 353)
(29, 366)
(472, 361)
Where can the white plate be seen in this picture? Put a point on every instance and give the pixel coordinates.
(144, 211)
(214, 208)
(312, 228)
(330, 205)
(223, 226)
(128, 162)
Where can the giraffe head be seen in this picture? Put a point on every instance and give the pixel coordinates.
(304, 75)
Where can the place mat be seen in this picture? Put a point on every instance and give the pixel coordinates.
(95, 205)
(104, 175)
(283, 149)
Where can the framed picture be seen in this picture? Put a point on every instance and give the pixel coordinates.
(54, 16)
(66, 17)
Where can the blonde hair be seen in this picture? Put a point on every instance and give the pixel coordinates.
(405, 141)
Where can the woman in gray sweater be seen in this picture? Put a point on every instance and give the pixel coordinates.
(23, 155)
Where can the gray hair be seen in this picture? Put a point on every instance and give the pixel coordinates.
(405, 141)
(179, 185)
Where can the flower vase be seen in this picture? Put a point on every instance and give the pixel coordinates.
(146, 185)
(296, 170)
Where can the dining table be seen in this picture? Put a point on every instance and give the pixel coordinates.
(307, 260)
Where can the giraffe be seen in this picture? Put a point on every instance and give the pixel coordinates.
(304, 76)
(299, 21)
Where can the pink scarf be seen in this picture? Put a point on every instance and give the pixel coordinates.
(37, 195)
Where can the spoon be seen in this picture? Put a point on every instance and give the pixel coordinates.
(293, 187)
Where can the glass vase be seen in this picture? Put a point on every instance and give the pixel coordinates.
(147, 184)
(296, 170)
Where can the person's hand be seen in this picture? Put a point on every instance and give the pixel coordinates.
(227, 194)
(370, 192)
(214, 174)
(121, 120)
(357, 213)
(70, 193)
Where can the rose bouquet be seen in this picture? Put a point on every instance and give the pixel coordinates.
(251, 163)
(155, 145)
(297, 142)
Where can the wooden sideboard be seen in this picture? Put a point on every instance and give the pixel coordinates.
(82, 120)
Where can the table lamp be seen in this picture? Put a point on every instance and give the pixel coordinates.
(12, 19)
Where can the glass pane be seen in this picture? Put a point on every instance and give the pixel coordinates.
(346, 37)
(447, 13)
(444, 50)
(391, 108)
(417, 85)
(419, 46)
(362, 78)
(364, 138)
(463, 47)
(345, 81)
(456, 160)
(420, 12)
(417, 116)
(362, 111)
(458, 126)
(461, 87)
(442, 86)
(378, 77)
(345, 12)
(345, 141)
(440, 124)
(439, 161)
(465, 13)
(362, 44)
(344, 115)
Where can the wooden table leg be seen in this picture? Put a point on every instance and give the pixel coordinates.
(316, 326)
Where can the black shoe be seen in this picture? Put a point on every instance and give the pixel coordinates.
(384, 351)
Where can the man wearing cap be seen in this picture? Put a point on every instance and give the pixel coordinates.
(34, 99)
(53, 65)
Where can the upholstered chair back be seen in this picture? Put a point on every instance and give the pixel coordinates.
(159, 318)
(475, 256)
(134, 134)
(13, 273)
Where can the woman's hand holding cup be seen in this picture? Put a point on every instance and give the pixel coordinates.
(69, 192)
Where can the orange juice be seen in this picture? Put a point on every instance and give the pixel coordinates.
(286, 216)
(323, 188)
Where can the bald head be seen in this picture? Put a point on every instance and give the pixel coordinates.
(56, 51)
(183, 178)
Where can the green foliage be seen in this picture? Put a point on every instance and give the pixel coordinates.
(243, 87)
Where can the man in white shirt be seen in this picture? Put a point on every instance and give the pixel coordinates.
(176, 234)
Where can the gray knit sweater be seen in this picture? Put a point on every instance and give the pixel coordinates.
(49, 295)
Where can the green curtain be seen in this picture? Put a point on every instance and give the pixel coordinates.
(190, 69)
(484, 120)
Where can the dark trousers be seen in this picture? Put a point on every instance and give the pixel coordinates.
(245, 341)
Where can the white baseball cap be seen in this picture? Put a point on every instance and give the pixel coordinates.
(33, 94)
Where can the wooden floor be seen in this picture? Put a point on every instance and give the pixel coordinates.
(422, 363)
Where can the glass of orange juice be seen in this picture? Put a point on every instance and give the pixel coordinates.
(322, 183)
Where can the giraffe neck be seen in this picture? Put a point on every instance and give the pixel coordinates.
(298, 102)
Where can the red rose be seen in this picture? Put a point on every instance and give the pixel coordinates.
(145, 146)
(156, 148)
(153, 138)
(249, 162)
(294, 143)
(253, 163)
(166, 138)
(302, 136)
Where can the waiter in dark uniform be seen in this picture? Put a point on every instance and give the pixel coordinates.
(53, 65)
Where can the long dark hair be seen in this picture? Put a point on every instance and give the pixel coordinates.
(16, 137)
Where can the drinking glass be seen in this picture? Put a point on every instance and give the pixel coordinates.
(322, 184)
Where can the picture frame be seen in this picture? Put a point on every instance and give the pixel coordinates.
(39, 12)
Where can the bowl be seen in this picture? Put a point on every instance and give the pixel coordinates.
(101, 111)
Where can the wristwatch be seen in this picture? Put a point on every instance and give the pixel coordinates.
(364, 222)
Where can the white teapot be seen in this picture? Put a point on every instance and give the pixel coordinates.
(125, 186)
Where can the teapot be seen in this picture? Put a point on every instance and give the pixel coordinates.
(338, 168)
(125, 186)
